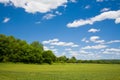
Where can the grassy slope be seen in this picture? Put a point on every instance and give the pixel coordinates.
(59, 72)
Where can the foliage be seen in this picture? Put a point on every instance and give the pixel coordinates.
(72, 60)
(62, 59)
(16, 50)
(49, 57)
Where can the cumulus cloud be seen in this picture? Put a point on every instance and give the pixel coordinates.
(33, 6)
(56, 42)
(93, 30)
(52, 49)
(115, 15)
(112, 51)
(48, 16)
(50, 41)
(6, 20)
(84, 52)
(113, 41)
(99, 46)
(105, 9)
(46, 48)
(95, 39)
(74, 53)
(117, 20)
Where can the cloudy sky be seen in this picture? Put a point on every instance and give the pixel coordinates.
(86, 29)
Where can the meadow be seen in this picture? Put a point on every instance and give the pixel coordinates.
(19, 71)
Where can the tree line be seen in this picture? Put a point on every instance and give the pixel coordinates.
(16, 50)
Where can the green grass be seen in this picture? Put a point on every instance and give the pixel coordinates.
(10, 71)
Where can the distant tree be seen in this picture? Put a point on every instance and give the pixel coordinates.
(72, 60)
(49, 57)
(79, 61)
(62, 59)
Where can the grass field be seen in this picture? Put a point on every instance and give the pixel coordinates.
(10, 71)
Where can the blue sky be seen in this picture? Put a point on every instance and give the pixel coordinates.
(86, 29)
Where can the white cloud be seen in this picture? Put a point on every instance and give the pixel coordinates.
(50, 41)
(33, 6)
(95, 47)
(5, 2)
(87, 7)
(58, 13)
(105, 9)
(113, 41)
(46, 48)
(52, 49)
(95, 39)
(74, 53)
(78, 23)
(84, 52)
(56, 42)
(99, 0)
(85, 40)
(93, 30)
(48, 16)
(112, 51)
(6, 20)
(117, 20)
(103, 16)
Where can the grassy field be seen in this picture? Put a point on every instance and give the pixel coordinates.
(10, 71)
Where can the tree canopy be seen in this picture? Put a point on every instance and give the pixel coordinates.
(16, 50)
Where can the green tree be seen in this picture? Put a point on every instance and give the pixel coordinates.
(72, 60)
(62, 59)
(49, 57)
(37, 45)
(16, 50)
